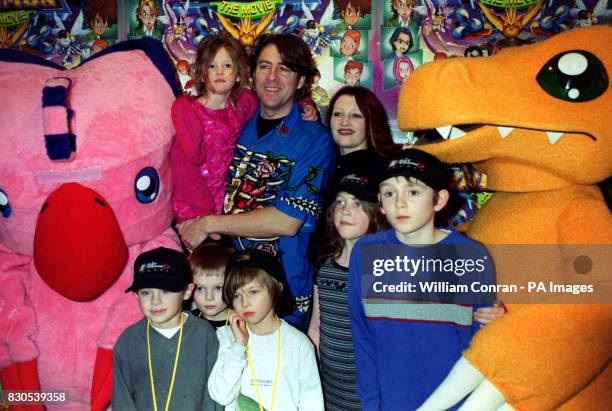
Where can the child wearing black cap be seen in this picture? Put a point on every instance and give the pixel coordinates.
(263, 362)
(353, 214)
(164, 360)
(395, 337)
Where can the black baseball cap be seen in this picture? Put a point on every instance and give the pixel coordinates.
(360, 181)
(265, 261)
(418, 164)
(258, 259)
(161, 268)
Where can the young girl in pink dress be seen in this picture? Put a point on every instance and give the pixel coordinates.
(208, 126)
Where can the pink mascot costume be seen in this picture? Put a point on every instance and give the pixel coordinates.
(85, 187)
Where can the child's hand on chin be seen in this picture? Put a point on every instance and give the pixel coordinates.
(239, 329)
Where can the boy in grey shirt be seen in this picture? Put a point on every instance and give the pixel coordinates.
(163, 361)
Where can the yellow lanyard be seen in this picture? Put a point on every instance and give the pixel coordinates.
(250, 360)
(178, 350)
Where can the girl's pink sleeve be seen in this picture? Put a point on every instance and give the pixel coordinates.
(189, 130)
(248, 102)
(190, 195)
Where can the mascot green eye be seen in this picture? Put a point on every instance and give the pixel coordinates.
(5, 206)
(575, 76)
(146, 185)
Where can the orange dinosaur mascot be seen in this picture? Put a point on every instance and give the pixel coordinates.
(544, 140)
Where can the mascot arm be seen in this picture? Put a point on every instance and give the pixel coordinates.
(101, 387)
(571, 225)
(124, 305)
(21, 376)
(18, 352)
(548, 366)
(17, 318)
(463, 380)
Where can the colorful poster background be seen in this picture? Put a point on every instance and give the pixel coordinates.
(61, 30)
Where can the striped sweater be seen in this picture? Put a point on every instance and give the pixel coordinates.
(404, 350)
(336, 342)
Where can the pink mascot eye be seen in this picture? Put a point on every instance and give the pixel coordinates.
(146, 185)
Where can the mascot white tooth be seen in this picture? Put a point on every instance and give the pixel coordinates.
(85, 187)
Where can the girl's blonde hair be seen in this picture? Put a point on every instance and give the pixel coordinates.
(207, 51)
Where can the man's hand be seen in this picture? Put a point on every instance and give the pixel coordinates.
(193, 232)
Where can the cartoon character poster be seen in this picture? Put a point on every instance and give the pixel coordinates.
(397, 70)
(144, 17)
(373, 43)
(101, 18)
(456, 28)
(179, 33)
(401, 54)
(351, 44)
(402, 13)
(353, 73)
(354, 14)
(65, 32)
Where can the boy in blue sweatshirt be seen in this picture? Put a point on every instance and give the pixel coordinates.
(406, 342)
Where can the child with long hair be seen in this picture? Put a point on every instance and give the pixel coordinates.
(353, 214)
(208, 126)
(263, 363)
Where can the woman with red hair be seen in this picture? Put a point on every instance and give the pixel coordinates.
(360, 128)
(358, 121)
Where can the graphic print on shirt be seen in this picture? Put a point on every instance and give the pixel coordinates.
(255, 180)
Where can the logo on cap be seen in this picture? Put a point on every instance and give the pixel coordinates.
(355, 179)
(406, 162)
(154, 266)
